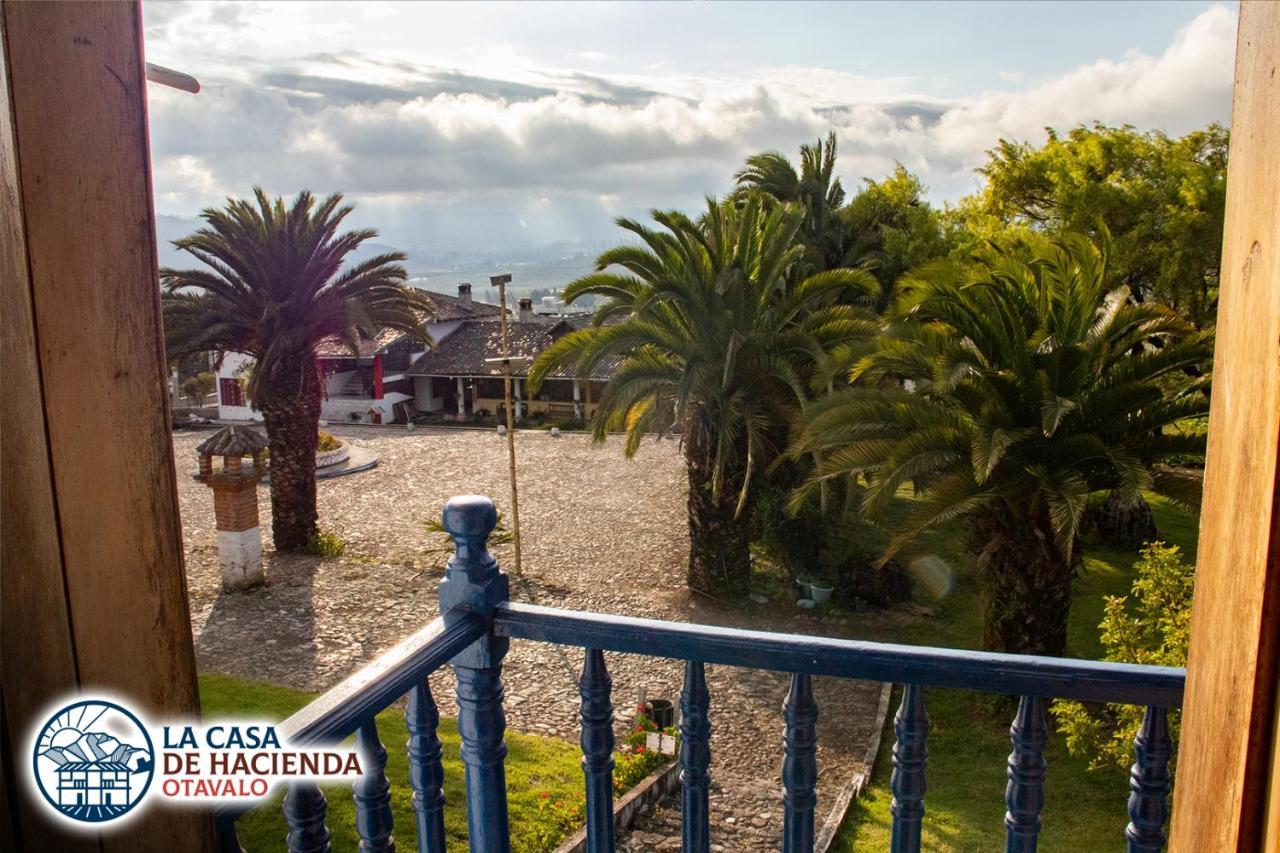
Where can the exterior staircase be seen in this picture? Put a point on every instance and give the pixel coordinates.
(353, 387)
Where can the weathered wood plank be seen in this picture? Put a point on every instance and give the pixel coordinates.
(30, 554)
(1236, 620)
(78, 100)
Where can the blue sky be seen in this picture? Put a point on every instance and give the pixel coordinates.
(488, 127)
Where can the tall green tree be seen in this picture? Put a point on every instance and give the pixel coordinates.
(815, 189)
(1033, 383)
(890, 227)
(709, 329)
(1162, 200)
(272, 286)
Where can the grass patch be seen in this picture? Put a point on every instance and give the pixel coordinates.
(969, 737)
(535, 765)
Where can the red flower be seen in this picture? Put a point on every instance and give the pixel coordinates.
(639, 750)
(546, 795)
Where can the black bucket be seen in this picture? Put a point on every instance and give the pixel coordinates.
(661, 711)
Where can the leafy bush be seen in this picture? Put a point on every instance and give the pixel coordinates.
(197, 388)
(1152, 625)
(327, 442)
(836, 548)
(795, 541)
(325, 544)
(860, 577)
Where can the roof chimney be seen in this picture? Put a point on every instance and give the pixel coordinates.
(526, 310)
(464, 292)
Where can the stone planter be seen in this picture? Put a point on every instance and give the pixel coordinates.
(333, 457)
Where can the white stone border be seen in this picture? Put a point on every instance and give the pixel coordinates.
(857, 786)
(333, 457)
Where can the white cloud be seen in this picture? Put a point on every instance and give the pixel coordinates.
(453, 158)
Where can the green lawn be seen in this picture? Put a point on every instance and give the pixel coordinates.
(969, 738)
(534, 765)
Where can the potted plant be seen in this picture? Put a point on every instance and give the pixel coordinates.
(822, 584)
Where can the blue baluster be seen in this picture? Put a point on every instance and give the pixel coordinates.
(426, 774)
(372, 793)
(799, 765)
(227, 840)
(1149, 784)
(695, 758)
(472, 585)
(910, 728)
(1024, 795)
(597, 751)
(304, 813)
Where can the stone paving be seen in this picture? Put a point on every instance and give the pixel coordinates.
(601, 533)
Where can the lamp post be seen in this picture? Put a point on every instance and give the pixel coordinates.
(501, 281)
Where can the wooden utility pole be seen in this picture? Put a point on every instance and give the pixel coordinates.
(501, 281)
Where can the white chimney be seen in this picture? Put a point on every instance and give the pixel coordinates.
(464, 293)
(526, 310)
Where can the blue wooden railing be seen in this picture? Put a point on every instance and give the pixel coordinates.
(478, 621)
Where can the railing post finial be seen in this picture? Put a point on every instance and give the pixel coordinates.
(472, 587)
(469, 519)
(472, 583)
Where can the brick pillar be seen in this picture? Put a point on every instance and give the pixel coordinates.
(240, 542)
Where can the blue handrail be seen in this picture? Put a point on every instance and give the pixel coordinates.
(989, 672)
(478, 621)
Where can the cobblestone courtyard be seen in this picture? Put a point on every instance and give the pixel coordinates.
(600, 533)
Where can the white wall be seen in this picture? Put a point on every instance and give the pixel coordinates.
(422, 395)
(232, 362)
(440, 331)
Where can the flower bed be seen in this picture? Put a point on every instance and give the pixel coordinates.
(632, 763)
(330, 450)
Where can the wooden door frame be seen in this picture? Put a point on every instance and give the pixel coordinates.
(91, 566)
(1228, 734)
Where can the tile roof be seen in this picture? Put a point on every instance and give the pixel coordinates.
(467, 351)
(448, 309)
(369, 347)
(454, 308)
(79, 766)
(232, 441)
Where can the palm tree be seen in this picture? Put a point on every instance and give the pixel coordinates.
(274, 287)
(1033, 386)
(815, 188)
(706, 331)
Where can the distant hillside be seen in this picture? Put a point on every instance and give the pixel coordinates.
(170, 228)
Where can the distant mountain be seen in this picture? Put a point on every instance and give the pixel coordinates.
(95, 747)
(546, 267)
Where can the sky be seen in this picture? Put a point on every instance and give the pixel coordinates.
(491, 128)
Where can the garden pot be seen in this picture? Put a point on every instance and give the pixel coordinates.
(820, 594)
(661, 711)
(803, 587)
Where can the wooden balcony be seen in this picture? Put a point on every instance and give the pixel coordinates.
(477, 623)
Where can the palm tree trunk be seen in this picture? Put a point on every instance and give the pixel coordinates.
(1026, 583)
(719, 554)
(1127, 525)
(291, 410)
